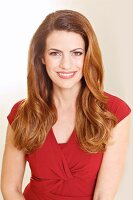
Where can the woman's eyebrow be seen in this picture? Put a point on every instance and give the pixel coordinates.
(61, 51)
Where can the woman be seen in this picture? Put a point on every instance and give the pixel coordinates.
(73, 134)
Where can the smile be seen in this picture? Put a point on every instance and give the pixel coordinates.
(66, 75)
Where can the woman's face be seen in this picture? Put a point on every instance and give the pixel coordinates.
(64, 57)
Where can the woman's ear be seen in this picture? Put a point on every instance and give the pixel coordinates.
(43, 61)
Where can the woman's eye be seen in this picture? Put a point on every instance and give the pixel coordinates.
(54, 53)
(77, 53)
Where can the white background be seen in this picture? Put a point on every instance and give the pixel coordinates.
(112, 22)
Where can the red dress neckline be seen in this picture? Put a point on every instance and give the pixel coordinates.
(70, 139)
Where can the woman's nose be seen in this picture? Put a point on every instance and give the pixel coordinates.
(66, 62)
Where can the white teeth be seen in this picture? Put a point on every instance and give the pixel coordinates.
(66, 74)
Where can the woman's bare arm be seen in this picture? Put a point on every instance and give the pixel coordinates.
(113, 163)
(13, 168)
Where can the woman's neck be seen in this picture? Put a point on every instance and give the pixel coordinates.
(65, 98)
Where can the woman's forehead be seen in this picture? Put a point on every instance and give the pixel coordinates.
(58, 39)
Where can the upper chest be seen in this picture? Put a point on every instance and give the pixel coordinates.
(64, 126)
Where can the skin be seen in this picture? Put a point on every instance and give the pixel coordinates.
(64, 91)
(113, 163)
(68, 57)
(64, 52)
(13, 168)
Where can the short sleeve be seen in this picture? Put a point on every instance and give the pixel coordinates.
(118, 107)
(13, 111)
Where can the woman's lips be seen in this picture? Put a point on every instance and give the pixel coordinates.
(66, 75)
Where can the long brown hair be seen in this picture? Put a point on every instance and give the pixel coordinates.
(37, 113)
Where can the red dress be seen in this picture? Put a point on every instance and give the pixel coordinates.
(64, 171)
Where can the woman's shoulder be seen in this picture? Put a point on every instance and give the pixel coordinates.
(117, 106)
(13, 110)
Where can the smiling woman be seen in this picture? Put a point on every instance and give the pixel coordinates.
(63, 57)
(68, 128)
